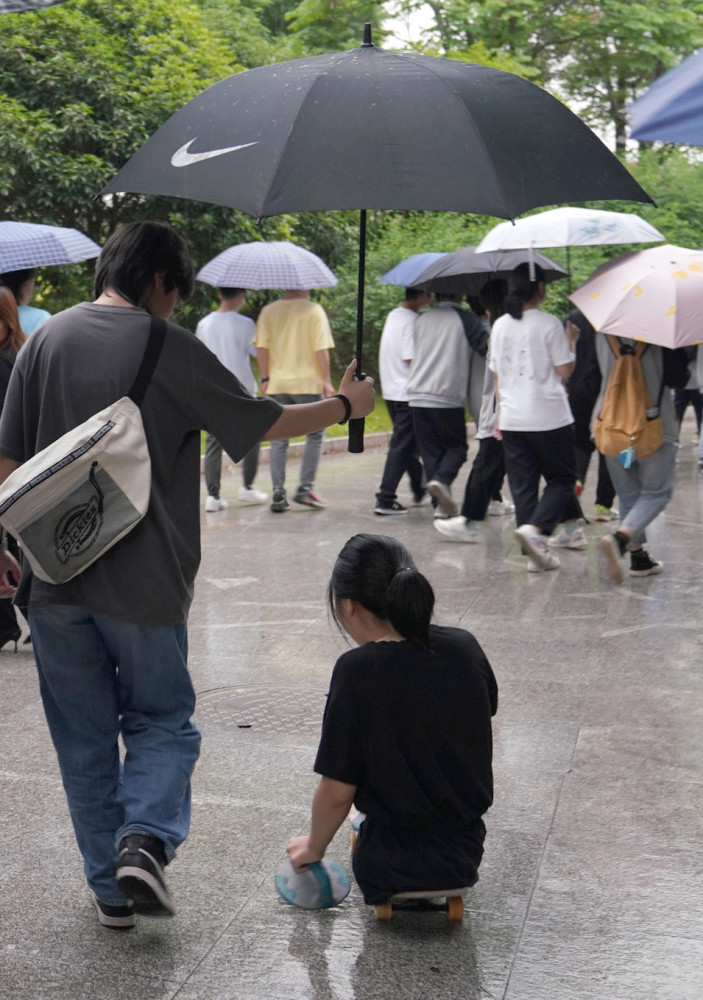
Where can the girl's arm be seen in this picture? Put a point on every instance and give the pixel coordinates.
(330, 806)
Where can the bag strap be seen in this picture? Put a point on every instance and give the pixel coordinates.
(157, 335)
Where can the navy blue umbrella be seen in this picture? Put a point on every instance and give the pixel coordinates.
(672, 109)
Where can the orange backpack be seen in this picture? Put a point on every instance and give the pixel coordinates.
(623, 421)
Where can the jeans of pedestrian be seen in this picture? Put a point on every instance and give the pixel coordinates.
(213, 465)
(485, 479)
(644, 489)
(402, 454)
(311, 454)
(100, 679)
(530, 455)
(682, 397)
(441, 441)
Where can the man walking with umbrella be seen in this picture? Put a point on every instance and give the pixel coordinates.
(394, 358)
(293, 340)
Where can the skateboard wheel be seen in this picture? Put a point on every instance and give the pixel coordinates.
(384, 911)
(455, 908)
(352, 840)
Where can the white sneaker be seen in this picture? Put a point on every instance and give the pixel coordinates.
(457, 529)
(576, 540)
(535, 547)
(497, 508)
(215, 503)
(442, 494)
(553, 563)
(251, 495)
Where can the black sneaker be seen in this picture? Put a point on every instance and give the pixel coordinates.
(140, 875)
(384, 507)
(641, 564)
(118, 917)
(279, 502)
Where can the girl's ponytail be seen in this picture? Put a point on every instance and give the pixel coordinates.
(379, 573)
(522, 288)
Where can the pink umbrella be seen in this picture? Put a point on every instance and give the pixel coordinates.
(653, 295)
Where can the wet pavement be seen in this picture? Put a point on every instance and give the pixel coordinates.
(591, 885)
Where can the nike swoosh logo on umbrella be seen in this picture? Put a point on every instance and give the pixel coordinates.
(182, 158)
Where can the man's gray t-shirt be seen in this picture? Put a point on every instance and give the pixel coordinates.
(80, 361)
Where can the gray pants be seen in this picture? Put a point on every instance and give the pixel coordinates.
(644, 489)
(213, 465)
(311, 454)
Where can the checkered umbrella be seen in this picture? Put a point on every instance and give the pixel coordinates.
(28, 244)
(18, 6)
(267, 265)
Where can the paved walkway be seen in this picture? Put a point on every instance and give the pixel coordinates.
(591, 883)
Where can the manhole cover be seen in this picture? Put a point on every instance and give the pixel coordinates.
(265, 712)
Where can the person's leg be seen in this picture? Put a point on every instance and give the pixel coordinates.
(523, 474)
(428, 442)
(402, 454)
(555, 452)
(92, 671)
(605, 490)
(484, 480)
(680, 404)
(451, 426)
(656, 483)
(213, 466)
(278, 452)
(311, 460)
(250, 466)
(697, 404)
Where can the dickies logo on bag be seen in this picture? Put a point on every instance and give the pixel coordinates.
(80, 526)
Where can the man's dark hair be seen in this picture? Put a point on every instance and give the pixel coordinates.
(413, 293)
(134, 254)
(15, 279)
(230, 293)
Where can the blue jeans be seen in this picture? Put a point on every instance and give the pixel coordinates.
(644, 489)
(99, 679)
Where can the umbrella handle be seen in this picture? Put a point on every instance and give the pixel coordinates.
(356, 435)
(355, 443)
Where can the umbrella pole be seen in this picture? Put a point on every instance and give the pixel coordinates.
(356, 427)
(568, 268)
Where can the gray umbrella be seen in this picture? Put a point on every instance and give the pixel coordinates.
(466, 272)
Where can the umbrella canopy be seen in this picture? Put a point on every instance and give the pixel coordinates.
(409, 269)
(375, 129)
(27, 244)
(18, 6)
(654, 295)
(466, 271)
(672, 109)
(570, 227)
(267, 265)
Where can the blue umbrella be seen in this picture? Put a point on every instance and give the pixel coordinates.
(18, 6)
(409, 269)
(672, 109)
(29, 244)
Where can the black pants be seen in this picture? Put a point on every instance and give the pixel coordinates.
(551, 454)
(441, 439)
(582, 408)
(682, 397)
(402, 454)
(485, 479)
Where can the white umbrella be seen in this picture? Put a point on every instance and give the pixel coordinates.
(267, 265)
(570, 227)
(28, 244)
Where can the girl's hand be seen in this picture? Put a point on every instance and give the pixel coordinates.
(301, 855)
(359, 394)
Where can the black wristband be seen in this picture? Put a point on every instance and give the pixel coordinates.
(267, 379)
(347, 408)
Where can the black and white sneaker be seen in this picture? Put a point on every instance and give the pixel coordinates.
(642, 564)
(118, 917)
(384, 507)
(140, 875)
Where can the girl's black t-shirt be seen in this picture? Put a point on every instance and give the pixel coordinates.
(411, 729)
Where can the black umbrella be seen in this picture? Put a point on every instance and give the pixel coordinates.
(373, 129)
(466, 272)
